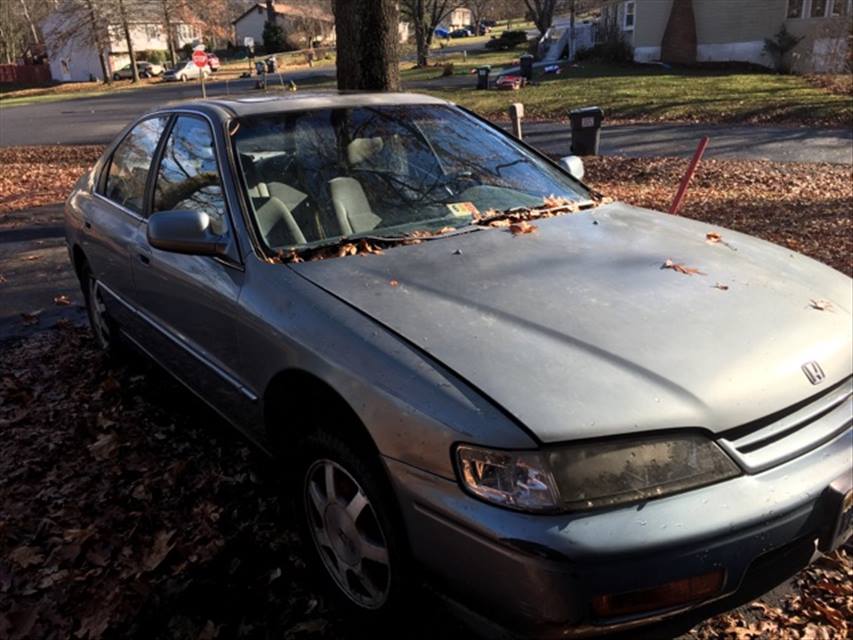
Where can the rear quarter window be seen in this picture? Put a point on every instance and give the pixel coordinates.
(127, 171)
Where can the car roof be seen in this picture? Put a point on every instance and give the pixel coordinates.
(258, 105)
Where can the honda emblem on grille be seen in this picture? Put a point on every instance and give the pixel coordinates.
(813, 372)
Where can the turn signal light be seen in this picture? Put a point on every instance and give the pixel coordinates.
(665, 596)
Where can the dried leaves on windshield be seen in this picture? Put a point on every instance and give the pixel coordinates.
(516, 220)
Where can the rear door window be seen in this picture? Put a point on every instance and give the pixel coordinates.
(131, 163)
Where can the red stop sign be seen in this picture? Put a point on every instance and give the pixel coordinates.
(199, 58)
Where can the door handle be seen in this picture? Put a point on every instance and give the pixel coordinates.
(144, 259)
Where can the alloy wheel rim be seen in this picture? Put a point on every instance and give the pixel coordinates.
(347, 534)
(98, 313)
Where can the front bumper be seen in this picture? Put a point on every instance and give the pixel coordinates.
(538, 574)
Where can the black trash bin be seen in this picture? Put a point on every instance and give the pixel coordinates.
(270, 65)
(483, 77)
(526, 65)
(586, 130)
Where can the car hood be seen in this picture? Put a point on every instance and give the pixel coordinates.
(577, 331)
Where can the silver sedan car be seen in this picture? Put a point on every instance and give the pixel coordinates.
(574, 415)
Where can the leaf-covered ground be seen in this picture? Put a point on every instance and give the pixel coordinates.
(128, 510)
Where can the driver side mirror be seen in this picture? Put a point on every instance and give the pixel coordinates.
(184, 232)
(574, 166)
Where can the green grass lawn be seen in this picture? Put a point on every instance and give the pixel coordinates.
(653, 93)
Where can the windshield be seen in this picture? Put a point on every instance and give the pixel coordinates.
(319, 176)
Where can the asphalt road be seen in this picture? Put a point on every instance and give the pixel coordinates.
(97, 120)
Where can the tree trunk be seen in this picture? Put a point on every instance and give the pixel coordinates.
(679, 39)
(97, 37)
(543, 13)
(170, 32)
(29, 20)
(421, 29)
(126, 28)
(367, 44)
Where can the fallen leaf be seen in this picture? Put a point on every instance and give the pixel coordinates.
(393, 283)
(62, 300)
(32, 258)
(518, 228)
(31, 318)
(721, 286)
(104, 447)
(712, 237)
(26, 556)
(162, 546)
(680, 268)
(821, 305)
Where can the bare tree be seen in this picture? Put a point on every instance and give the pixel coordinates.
(478, 10)
(542, 12)
(367, 44)
(124, 22)
(79, 24)
(426, 15)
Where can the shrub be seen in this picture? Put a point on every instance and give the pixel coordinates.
(779, 47)
(447, 70)
(508, 40)
(614, 51)
(157, 56)
(274, 39)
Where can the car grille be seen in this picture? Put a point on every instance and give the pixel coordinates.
(793, 431)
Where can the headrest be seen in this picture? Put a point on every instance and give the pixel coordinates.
(362, 149)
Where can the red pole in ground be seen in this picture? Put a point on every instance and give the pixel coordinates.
(685, 181)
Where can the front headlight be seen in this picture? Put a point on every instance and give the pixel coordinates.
(594, 474)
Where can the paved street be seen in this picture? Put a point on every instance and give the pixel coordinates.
(97, 120)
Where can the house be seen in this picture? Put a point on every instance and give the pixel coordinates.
(460, 18)
(73, 56)
(301, 25)
(735, 30)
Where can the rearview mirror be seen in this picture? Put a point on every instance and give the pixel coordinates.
(574, 165)
(184, 232)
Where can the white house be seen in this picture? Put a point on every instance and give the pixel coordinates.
(74, 58)
(299, 23)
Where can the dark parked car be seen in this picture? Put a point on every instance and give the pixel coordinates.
(470, 368)
(460, 33)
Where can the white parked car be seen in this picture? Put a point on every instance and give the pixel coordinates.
(186, 70)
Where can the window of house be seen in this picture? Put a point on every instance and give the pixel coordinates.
(130, 163)
(188, 177)
(819, 8)
(630, 11)
(795, 8)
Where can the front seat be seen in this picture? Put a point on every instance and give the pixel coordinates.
(275, 221)
(352, 208)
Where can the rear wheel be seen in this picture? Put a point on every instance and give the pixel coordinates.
(116, 76)
(356, 537)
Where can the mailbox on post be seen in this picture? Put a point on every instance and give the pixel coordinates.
(586, 130)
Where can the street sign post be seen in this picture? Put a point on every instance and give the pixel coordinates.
(200, 60)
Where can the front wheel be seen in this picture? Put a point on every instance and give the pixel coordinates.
(116, 76)
(103, 327)
(182, 78)
(348, 513)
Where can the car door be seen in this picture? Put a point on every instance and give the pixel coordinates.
(112, 217)
(188, 303)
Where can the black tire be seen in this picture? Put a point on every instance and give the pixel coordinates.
(105, 330)
(378, 522)
(116, 76)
